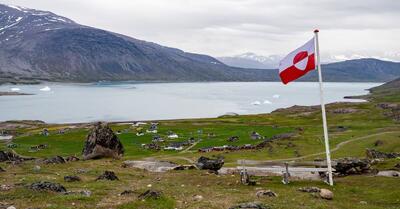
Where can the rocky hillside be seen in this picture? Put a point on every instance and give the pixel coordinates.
(40, 45)
(389, 86)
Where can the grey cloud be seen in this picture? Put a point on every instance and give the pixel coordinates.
(227, 27)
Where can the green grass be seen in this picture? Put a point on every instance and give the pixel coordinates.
(364, 127)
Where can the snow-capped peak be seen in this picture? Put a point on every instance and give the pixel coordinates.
(259, 58)
(17, 7)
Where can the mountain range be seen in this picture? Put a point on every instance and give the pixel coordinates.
(40, 45)
(252, 60)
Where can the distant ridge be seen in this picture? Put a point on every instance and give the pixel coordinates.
(40, 45)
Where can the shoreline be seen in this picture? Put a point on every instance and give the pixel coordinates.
(41, 82)
(12, 93)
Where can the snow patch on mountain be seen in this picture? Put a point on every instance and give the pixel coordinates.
(252, 60)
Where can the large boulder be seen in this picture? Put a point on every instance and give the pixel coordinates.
(102, 142)
(351, 166)
(205, 163)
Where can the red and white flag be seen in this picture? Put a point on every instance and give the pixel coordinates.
(298, 62)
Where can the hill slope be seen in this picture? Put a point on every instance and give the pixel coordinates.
(41, 45)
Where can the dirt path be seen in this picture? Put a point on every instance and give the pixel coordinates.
(337, 147)
(191, 146)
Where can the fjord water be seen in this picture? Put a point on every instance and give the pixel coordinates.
(121, 101)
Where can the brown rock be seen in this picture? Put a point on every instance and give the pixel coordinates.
(102, 142)
(326, 194)
(107, 175)
(266, 193)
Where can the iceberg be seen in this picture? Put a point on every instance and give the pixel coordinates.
(15, 89)
(276, 96)
(46, 88)
(267, 102)
(256, 103)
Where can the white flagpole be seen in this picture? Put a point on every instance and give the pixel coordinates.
(328, 154)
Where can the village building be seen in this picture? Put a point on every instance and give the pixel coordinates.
(256, 136)
(173, 136)
(157, 139)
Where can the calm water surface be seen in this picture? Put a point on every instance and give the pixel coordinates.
(65, 103)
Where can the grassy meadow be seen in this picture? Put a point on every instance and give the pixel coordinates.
(350, 135)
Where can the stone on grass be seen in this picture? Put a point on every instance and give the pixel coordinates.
(205, 163)
(250, 205)
(326, 194)
(102, 142)
(72, 178)
(309, 189)
(378, 143)
(85, 193)
(5, 187)
(107, 175)
(397, 166)
(266, 193)
(126, 192)
(47, 186)
(389, 173)
(71, 159)
(36, 168)
(197, 198)
(184, 167)
(153, 194)
(54, 160)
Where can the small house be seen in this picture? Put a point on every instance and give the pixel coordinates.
(256, 136)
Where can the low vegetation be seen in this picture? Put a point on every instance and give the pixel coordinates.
(353, 128)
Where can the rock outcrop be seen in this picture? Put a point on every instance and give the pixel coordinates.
(54, 160)
(102, 142)
(12, 156)
(47, 186)
(375, 154)
(205, 163)
(351, 166)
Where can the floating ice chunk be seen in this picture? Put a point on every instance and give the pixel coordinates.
(267, 102)
(15, 89)
(276, 96)
(46, 88)
(256, 103)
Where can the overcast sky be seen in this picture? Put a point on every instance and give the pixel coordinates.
(349, 28)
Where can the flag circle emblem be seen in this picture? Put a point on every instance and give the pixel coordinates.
(300, 60)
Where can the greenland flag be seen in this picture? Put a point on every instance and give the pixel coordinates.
(298, 62)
